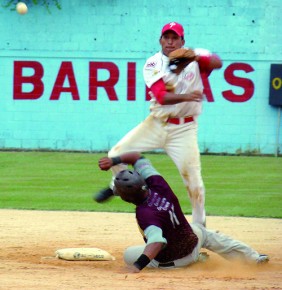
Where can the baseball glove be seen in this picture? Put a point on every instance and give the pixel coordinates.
(180, 58)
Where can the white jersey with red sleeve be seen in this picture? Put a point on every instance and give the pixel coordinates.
(155, 68)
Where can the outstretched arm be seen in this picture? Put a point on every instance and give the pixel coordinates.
(105, 163)
(209, 62)
(150, 252)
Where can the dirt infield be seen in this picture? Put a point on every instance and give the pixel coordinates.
(29, 240)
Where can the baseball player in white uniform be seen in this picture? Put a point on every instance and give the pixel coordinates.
(172, 123)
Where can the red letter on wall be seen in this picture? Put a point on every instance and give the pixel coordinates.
(147, 95)
(108, 84)
(207, 88)
(34, 80)
(131, 81)
(66, 70)
(246, 84)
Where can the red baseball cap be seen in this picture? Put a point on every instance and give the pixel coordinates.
(174, 26)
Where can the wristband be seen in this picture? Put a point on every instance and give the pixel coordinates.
(142, 262)
(116, 160)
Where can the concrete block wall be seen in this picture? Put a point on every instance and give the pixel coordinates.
(123, 34)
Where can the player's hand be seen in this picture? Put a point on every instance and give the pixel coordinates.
(195, 96)
(180, 67)
(127, 270)
(105, 163)
(132, 269)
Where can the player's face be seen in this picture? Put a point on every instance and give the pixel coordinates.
(170, 41)
(134, 197)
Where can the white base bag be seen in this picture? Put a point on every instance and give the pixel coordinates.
(84, 254)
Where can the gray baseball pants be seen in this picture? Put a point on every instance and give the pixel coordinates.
(219, 243)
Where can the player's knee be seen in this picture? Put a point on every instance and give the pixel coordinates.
(118, 150)
(197, 193)
(113, 152)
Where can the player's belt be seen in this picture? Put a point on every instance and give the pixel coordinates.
(179, 121)
(166, 265)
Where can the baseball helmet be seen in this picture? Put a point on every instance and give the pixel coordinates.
(130, 186)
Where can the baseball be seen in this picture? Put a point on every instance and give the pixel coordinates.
(21, 8)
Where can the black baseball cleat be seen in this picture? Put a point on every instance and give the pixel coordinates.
(262, 259)
(103, 195)
(203, 257)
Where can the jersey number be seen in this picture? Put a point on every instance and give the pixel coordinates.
(173, 217)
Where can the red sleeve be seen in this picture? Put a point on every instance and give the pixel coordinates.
(159, 90)
(204, 63)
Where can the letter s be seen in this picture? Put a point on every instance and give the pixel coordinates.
(246, 84)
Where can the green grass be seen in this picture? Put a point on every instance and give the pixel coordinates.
(235, 186)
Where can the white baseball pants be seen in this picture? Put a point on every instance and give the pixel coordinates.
(181, 145)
